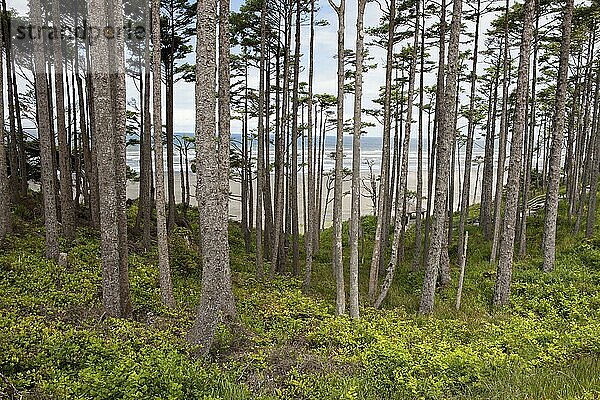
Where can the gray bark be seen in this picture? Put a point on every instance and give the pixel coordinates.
(400, 204)
(522, 240)
(67, 211)
(418, 254)
(164, 277)
(549, 240)
(338, 265)
(502, 143)
(294, 155)
(107, 72)
(260, 167)
(378, 250)
(507, 245)
(45, 137)
(312, 222)
(446, 138)
(355, 209)
(466, 191)
(216, 302)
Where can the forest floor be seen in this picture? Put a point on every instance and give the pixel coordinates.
(55, 343)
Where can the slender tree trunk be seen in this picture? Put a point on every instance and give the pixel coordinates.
(260, 169)
(312, 218)
(164, 278)
(172, 216)
(549, 240)
(355, 209)
(67, 212)
(447, 133)
(277, 257)
(45, 137)
(119, 114)
(507, 245)
(14, 148)
(94, 180)
(531, 133)
(586, 136)
(267, 199)
(418, 255)
(5, 223)
(338, 266)
(399, 224)
(439, 100)
(378, 250)
(466, 191)
(488, 160)
(502, 145)
(146, 179)
(296, 133)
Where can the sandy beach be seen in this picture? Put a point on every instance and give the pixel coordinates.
(366, 203)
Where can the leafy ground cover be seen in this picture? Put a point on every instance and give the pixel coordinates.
(55, 343)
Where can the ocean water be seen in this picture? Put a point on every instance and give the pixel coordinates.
(370, 152)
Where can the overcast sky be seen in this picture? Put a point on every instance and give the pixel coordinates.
(325, 80)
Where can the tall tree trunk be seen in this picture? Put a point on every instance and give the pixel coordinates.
(488, 158)
(172, 217)
(503, 141)
(338, 265)
(94, 180)
(146, 179)
(260, 169)
(45, 137)
(507, 245)
(216, 302)
(530, 147)
(399, 224)
(418, 254)
(312, 223)
(164, 277)
(466, 190)
(14, 149)
(267, 199)
(246, 169)
(439, 101)
(107, 98)
(277, 257)
(355, 209)
(67, 212)
(446, 138)
(378, 250)
(5, 223)
(549, 240)
(296, 133)
(585, 136)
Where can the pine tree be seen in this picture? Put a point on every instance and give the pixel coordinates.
(338, 265)
(212, 165)
(507, 244)
(166, 287)
(356, 161)
(45, 136)
(549, 241)
(446, 138)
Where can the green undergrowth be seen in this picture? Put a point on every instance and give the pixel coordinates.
(55, 342)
